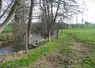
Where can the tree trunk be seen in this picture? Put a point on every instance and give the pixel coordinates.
(50, 35)
(29, 23)
(26, 40)
(57, 33)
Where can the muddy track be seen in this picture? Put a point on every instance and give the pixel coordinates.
(64, 58)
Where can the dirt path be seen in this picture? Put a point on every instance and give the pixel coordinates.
(69, 55)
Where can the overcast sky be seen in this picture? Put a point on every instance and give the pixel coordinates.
(90, 4)
(89, 15)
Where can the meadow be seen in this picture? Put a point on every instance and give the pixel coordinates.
(84, 35)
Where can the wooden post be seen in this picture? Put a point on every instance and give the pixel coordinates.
(26, 41)
(49, 35)
(57, 33)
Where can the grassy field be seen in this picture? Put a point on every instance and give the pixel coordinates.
(85, 35)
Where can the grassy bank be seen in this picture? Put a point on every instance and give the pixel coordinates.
(72, 54)
(34, 54)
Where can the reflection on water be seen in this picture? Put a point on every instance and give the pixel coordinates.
(6, 50)
(12, 47)
(18, 45)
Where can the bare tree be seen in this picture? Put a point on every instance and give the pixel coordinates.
(19, 17)
(51, 11)
(29, 24)
(47, 7)
(5, 11)
(10, 13)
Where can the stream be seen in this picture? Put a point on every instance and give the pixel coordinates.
(11, 47)
(18, 45)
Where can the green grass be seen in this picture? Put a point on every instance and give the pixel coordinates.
(7, 29)
(89, 62)
(85, 35)
(34, 54)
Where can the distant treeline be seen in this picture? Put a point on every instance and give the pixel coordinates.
(36, 27)
(39, 28)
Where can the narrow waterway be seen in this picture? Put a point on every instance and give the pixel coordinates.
(11, 47)
(19, 45)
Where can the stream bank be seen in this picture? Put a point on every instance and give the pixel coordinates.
(71, 54)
